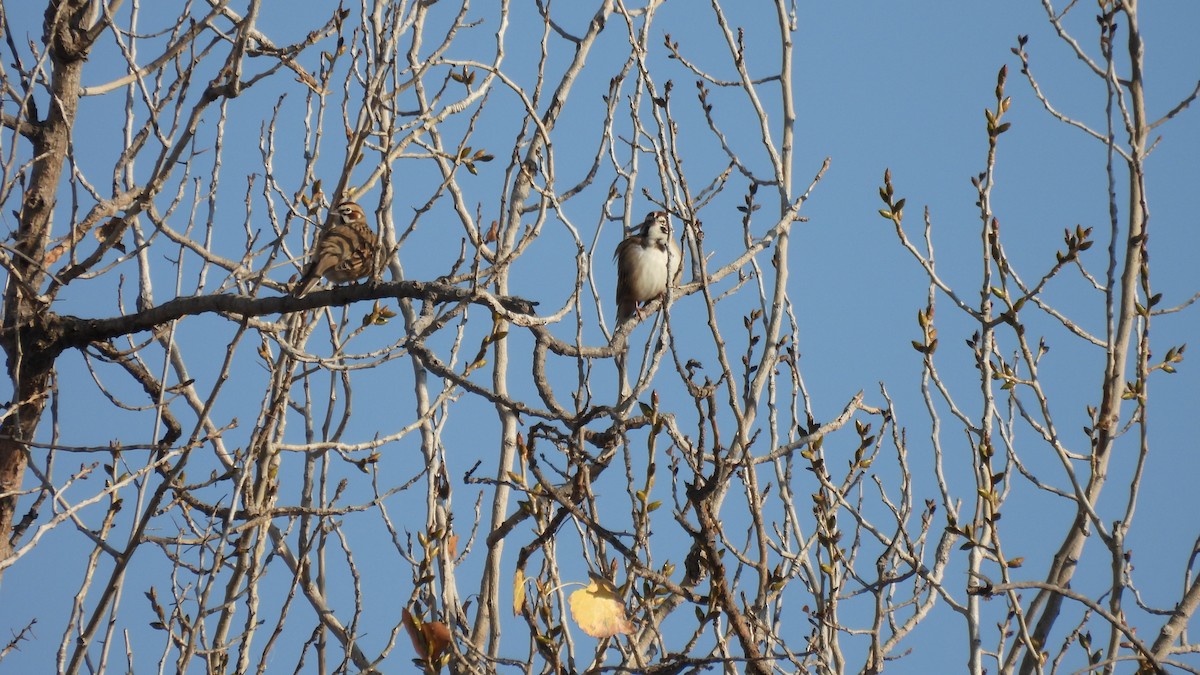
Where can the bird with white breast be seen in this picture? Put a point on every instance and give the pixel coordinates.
(646, 261)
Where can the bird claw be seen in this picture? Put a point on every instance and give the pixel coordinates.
(640, 310)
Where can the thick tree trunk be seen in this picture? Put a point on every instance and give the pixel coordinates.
(24, 335)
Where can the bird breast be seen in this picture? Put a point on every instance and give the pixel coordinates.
(648, 271)
(350, 248)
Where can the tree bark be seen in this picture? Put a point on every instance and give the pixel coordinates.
(30, 365)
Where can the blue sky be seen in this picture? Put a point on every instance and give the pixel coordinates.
(878, 85)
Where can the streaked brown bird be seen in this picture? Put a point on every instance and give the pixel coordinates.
(642, 265)
(345, 251)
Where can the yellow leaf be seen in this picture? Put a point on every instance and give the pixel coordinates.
(599, 610)
(518, 592)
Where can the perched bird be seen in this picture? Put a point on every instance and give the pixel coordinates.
(642, 261)
(345, 251)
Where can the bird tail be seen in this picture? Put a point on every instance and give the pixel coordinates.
(304, 285)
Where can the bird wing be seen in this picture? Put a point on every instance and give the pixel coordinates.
(626, 269)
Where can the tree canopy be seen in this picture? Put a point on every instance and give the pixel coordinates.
(898, 416)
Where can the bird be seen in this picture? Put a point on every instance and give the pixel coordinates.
(642, 265)
(345, 250)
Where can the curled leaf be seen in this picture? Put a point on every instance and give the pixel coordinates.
(518, 592)
(429, 638)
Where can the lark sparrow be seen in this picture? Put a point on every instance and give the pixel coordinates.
(345, 250)
(642, 265)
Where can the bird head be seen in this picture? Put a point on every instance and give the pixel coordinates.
(348, 212)
(656, 228)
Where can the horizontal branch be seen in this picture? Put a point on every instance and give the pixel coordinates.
(21, 126)
(66, 332)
